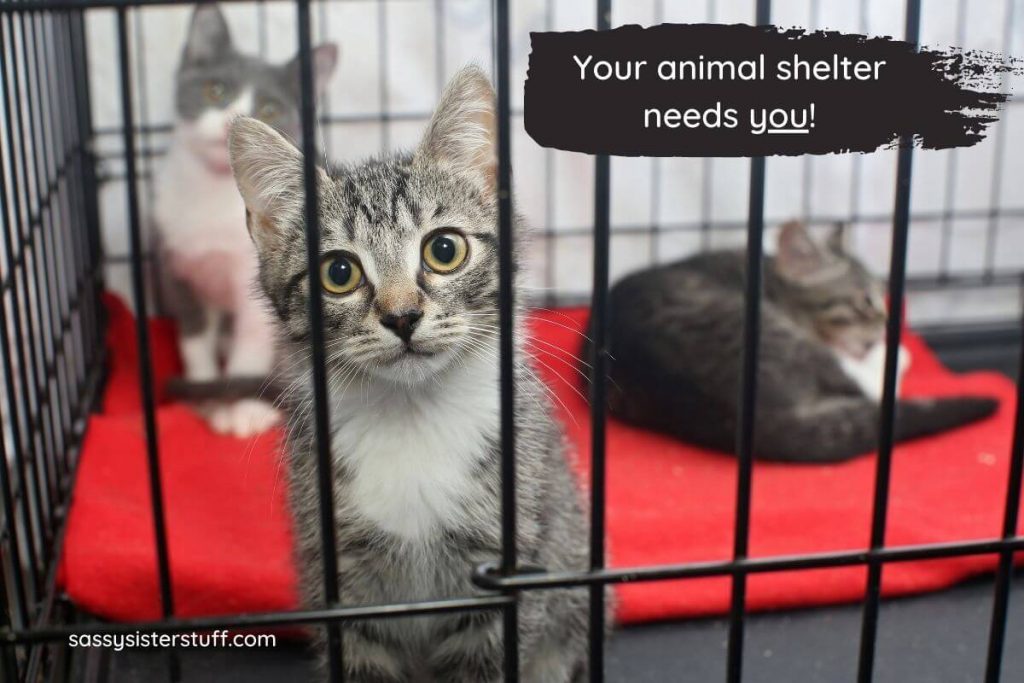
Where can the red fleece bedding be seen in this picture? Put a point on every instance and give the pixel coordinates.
(228, 524)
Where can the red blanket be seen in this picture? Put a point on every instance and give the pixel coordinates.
(228, 523)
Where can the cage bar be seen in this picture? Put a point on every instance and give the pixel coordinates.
(75, 206)
(261, 27)
(530, 581)
(808, 160)
(261, 619)
(506, 325)
(949, 206)
(654, 239)
(38, 217)
(323, 31)
(599, 385)
(382, 76)
(57, 285)
(8, 656)
(328, 542)
(748, 401)
(748, 396)
(998, 152)
(1011, 515)
(146, 386)
(93, 320)
(20, 604)
(47, 252)
(550, 253)
(33, 516)
(142, 325)
(25, 228)
(147, 172)
(893, 332)
(858, 159)
(46, 212)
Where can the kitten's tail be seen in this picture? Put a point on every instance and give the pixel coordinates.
(921, 417)
(849, 427)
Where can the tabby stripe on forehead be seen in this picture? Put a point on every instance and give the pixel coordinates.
(400, 194)
(353, 197)
(347, 219)
(415, 210)
(365, 210)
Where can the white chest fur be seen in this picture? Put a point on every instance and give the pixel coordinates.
(201, 218)
(197, 210)
(412, 451)
(869, 372)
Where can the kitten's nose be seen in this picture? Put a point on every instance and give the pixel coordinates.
(402, 323)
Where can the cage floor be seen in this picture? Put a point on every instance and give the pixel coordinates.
(936, 638)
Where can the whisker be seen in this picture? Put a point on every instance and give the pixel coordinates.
(532, 376)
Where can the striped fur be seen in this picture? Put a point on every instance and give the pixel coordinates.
(415, 426)
(676, 334)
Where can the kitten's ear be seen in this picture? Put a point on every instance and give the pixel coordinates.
(208, 35)
(839, 239)
(325, 60)
(462, 131)
(268, 171)
(799, 256)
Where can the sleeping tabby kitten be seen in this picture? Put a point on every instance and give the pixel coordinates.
(410, 282)
(676, 333)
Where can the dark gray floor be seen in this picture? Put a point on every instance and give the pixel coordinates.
(936, 638)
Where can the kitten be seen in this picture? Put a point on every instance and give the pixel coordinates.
(410, 284)
(206, 263)
(676, 333)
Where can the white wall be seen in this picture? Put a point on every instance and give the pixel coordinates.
(402, 74)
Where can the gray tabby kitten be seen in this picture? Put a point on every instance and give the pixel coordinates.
(677, 333)
(410, 282)
(206, 263)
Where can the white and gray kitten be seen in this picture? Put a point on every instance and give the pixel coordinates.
(409, 273)
(206, 262)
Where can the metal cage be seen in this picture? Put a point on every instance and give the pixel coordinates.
(52, 349)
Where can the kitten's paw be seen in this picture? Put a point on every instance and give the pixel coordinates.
(244, 418)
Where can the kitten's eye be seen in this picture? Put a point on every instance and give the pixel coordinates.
(215, 92)
(340, 274)
(268, 112)
(445, 251)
